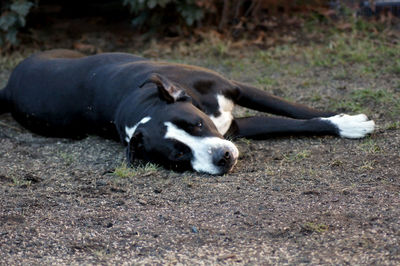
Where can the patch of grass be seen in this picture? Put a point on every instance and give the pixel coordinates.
(296, 157)
(346, 105)
(245, 141)
(368, 165)
(18, 182)
(370, 146)
(267, 82)
(278, 59)
(316, 97)
(378, 97)
(360, 100)
(318, 57)
(395, 67)
(315, 227)
(269, 171)
(9, 62)
(371, 53)
(306, 83)
(68, 158)
(365, 95)
(336, 163)
(124, 171)
(393, 126)
(341, 75)
(220, 48)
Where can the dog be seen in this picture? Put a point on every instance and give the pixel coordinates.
(171, 114)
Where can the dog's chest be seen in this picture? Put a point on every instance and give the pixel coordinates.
(224, 119)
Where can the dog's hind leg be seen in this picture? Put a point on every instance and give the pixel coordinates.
(262, 127)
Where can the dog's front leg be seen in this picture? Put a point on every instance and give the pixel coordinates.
(262, 127)
(257, 99)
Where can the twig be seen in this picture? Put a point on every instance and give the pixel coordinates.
(9, 126)
(224, 17)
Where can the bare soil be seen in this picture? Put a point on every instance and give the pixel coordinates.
(296, 200)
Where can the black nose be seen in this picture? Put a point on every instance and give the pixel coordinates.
(223, 158)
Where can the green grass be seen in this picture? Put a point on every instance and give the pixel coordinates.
(393, 126)
(17, 182)
(68, 158)
(368, 165)
(124, 171)
(364, 99)
(315, 227)
(296, 157)
(316, 97)
(267, 82)
(369, 145)
(395, 67)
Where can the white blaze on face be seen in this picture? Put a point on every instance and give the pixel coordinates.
(129, 131)
(224, 120)
(202, 148)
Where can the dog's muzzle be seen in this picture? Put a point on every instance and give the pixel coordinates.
(225, 158)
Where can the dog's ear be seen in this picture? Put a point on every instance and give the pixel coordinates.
(167, 90)
(134, 146)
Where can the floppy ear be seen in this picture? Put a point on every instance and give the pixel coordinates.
(168, 91)
(134, 146)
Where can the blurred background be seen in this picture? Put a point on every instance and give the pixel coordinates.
(105, 25)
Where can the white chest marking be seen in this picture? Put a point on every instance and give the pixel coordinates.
(224, 120)
(129, 131)
(202, 148)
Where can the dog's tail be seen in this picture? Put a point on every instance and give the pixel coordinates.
(5, 105)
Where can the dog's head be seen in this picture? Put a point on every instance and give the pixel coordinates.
(180, 136)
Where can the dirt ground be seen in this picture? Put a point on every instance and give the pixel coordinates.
(295, 200)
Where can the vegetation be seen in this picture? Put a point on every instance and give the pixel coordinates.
(12, 18)
(158, 12)
(124, 171)
(171, 17)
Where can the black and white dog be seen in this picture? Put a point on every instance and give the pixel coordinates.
(171, 114)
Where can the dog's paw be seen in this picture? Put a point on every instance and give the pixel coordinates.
(352, 126)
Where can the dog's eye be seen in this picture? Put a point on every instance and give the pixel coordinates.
(181, 152)
(199, 124)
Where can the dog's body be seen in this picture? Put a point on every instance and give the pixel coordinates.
(172, 114)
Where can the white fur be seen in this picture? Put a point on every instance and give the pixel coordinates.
(224, 120)
(129, 131)
(202, 148)
(352, 126)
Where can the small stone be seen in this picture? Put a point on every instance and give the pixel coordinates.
(101, 183)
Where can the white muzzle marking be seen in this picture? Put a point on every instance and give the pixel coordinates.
(202, 148)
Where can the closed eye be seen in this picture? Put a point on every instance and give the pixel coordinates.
(189, 126)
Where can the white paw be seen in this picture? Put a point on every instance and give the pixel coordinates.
(352, 126)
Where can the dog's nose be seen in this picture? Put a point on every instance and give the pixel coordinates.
(224, 158)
